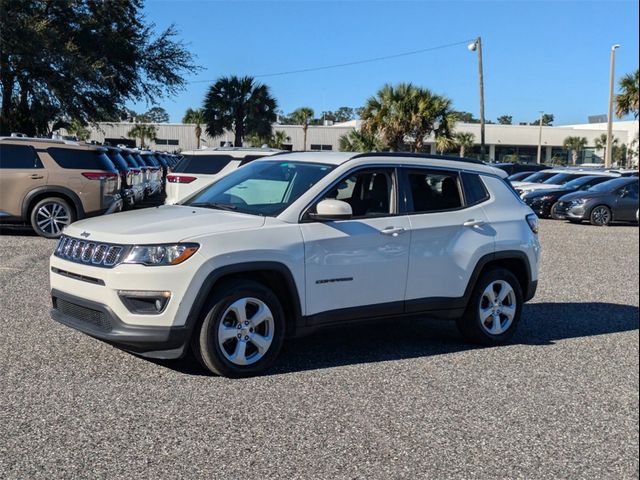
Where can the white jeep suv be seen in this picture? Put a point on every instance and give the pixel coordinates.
(292, 242)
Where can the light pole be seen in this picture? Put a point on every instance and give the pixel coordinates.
(607, 153)
(477, 45)
(539, 157)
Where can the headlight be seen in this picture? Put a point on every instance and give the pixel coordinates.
(579, 201)
(156, 255)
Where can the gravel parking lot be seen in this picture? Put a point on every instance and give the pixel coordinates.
(395, 399)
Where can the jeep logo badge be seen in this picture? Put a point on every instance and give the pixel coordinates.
(85, 234)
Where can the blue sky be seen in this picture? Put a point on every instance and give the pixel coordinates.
(551, 55)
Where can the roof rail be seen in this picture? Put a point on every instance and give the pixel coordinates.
(419, 155)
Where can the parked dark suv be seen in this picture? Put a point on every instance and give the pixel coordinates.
(612, 201)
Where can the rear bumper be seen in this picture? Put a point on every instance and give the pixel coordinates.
(99, 321)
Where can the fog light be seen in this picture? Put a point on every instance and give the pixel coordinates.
(144, 302)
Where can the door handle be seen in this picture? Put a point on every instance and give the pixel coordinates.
(35, 176)
(473, 223)
(393, 231)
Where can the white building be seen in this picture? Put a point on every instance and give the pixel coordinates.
(503, 142)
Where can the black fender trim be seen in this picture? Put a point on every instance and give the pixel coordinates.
(75, 199)
(246, 267)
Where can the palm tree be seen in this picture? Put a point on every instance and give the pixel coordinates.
(360, 141)
(79, 130)
(276, 140)
(627, 99)
(196, 117)
(576, 145)
(239, 104)
(406, 111)
(142, 131)
(444, 143)
(601, 143)
(464, 140)
(302, 116)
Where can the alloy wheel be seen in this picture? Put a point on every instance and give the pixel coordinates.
(601, 215)
(246, 331)
(497, 307)
(52, 217)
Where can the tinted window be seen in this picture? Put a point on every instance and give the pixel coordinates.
(249, 158)
(561, 178)
(207, 164)
(538, 177)
(518, 176)
(474, 189)
(130, 160)
(18, 156)
(610, 185)
(81, 159)
(433, 191)
(117, 159)
(368, 192)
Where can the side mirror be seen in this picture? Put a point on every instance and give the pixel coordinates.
(332, 210)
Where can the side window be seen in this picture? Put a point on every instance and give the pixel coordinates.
(18, 156)
(249, 158)
(80, 159)
(474, 190)
(368, 192)
(631, 190)
(433, 191)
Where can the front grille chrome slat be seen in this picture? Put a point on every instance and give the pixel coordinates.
(106, 255)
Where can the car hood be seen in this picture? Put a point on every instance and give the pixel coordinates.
(584, 194)
(164, 224)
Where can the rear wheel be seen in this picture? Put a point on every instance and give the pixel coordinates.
(494, 309)
(242, 331)
(552, 211)
(50, 215)
(600, 216)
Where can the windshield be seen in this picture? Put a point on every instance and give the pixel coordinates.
(609, 185)
(561, 178)
(538, 177)
(261, 188)
(579, 182)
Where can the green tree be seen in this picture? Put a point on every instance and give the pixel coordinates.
(360, 141)
(627, 99)
(277, 139)
(197, 118)
(575, 145)
(82, 59)
(505, 120)
(303, 116)
(142, 131)
(241, 105)
(601, 144)
(444, 143)
(156, 115)
(466, 117)
(77, 129)
(343, 114)
(464, 141)
(547, 120)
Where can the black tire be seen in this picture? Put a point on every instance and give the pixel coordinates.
(576, 221)
(204, 342)
(64, 215)
(471, 324)
(552, 211)
(600, 216)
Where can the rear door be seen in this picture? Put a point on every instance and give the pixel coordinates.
(627, 203)
(20, 172)
(449, 234)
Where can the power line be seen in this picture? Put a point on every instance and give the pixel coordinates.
(348, 64)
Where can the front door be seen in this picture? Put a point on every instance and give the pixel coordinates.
(358, 267)
(627, 203)
(20, 172)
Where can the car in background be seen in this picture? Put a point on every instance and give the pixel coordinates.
(542, 202)
(132, 190)
(512, 168)
(558, 180)
(537, 177)
(199, 168)
(51, 183)
(516, 177)
(613, 201)
(155, 172)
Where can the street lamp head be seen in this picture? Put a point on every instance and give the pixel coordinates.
(472, 46)
(615, 46)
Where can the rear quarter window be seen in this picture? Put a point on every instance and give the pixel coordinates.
(81, 159)
(18, 156)
(474, 189)
(205, 164)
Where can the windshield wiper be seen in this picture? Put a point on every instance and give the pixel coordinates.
(218, 206)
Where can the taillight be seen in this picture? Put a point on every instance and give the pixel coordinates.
(99, 175)
(180, 179)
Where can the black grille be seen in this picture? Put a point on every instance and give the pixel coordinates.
(94, 317)
(90, 253)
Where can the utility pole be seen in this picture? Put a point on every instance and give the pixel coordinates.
(607, 153)
(539, 157)
(477, 46)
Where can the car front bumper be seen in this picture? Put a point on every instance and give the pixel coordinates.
(99, 321)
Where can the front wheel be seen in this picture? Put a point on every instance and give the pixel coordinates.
(600, 216)
(242, 331)
(494, 309)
